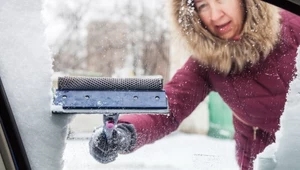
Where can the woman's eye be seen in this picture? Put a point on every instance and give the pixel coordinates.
(202, 7)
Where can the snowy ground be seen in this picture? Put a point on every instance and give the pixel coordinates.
(175, 152)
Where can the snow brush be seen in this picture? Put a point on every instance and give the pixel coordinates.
(110, 97)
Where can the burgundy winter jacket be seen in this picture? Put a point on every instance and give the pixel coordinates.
(257, 95)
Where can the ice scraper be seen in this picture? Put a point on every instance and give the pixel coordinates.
(110, 97)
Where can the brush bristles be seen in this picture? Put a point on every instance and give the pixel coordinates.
(108, 83)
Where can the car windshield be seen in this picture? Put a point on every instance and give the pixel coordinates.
(76, 72)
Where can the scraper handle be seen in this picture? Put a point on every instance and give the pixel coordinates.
(110, 120)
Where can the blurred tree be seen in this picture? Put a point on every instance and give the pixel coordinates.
(106, 46)
(69, 49)
(133, 35)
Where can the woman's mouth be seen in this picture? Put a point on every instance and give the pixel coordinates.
(224, 28)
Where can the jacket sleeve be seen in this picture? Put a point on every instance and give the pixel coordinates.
(185, 91)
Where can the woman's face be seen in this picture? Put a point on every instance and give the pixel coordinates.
(223, 18)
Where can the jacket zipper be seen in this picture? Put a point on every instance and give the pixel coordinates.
(255, 128)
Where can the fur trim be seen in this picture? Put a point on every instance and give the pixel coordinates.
(259, 36)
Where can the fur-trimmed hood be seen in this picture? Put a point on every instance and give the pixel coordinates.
(259, 36)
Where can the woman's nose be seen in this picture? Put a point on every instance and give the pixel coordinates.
(216, 13)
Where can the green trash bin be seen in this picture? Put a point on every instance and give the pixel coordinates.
(220, 118)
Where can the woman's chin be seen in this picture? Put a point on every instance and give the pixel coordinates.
(229, 36)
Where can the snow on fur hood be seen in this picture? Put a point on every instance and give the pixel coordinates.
(259, 35)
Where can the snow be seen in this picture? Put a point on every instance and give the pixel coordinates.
(177, 151)
(26, 69)
(285, 152)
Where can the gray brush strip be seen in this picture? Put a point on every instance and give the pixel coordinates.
(108, 83)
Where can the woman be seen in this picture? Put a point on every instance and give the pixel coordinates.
(243, 49)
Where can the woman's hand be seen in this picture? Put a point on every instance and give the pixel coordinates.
(106, 151)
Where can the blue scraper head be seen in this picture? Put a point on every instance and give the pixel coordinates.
(110, 95)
